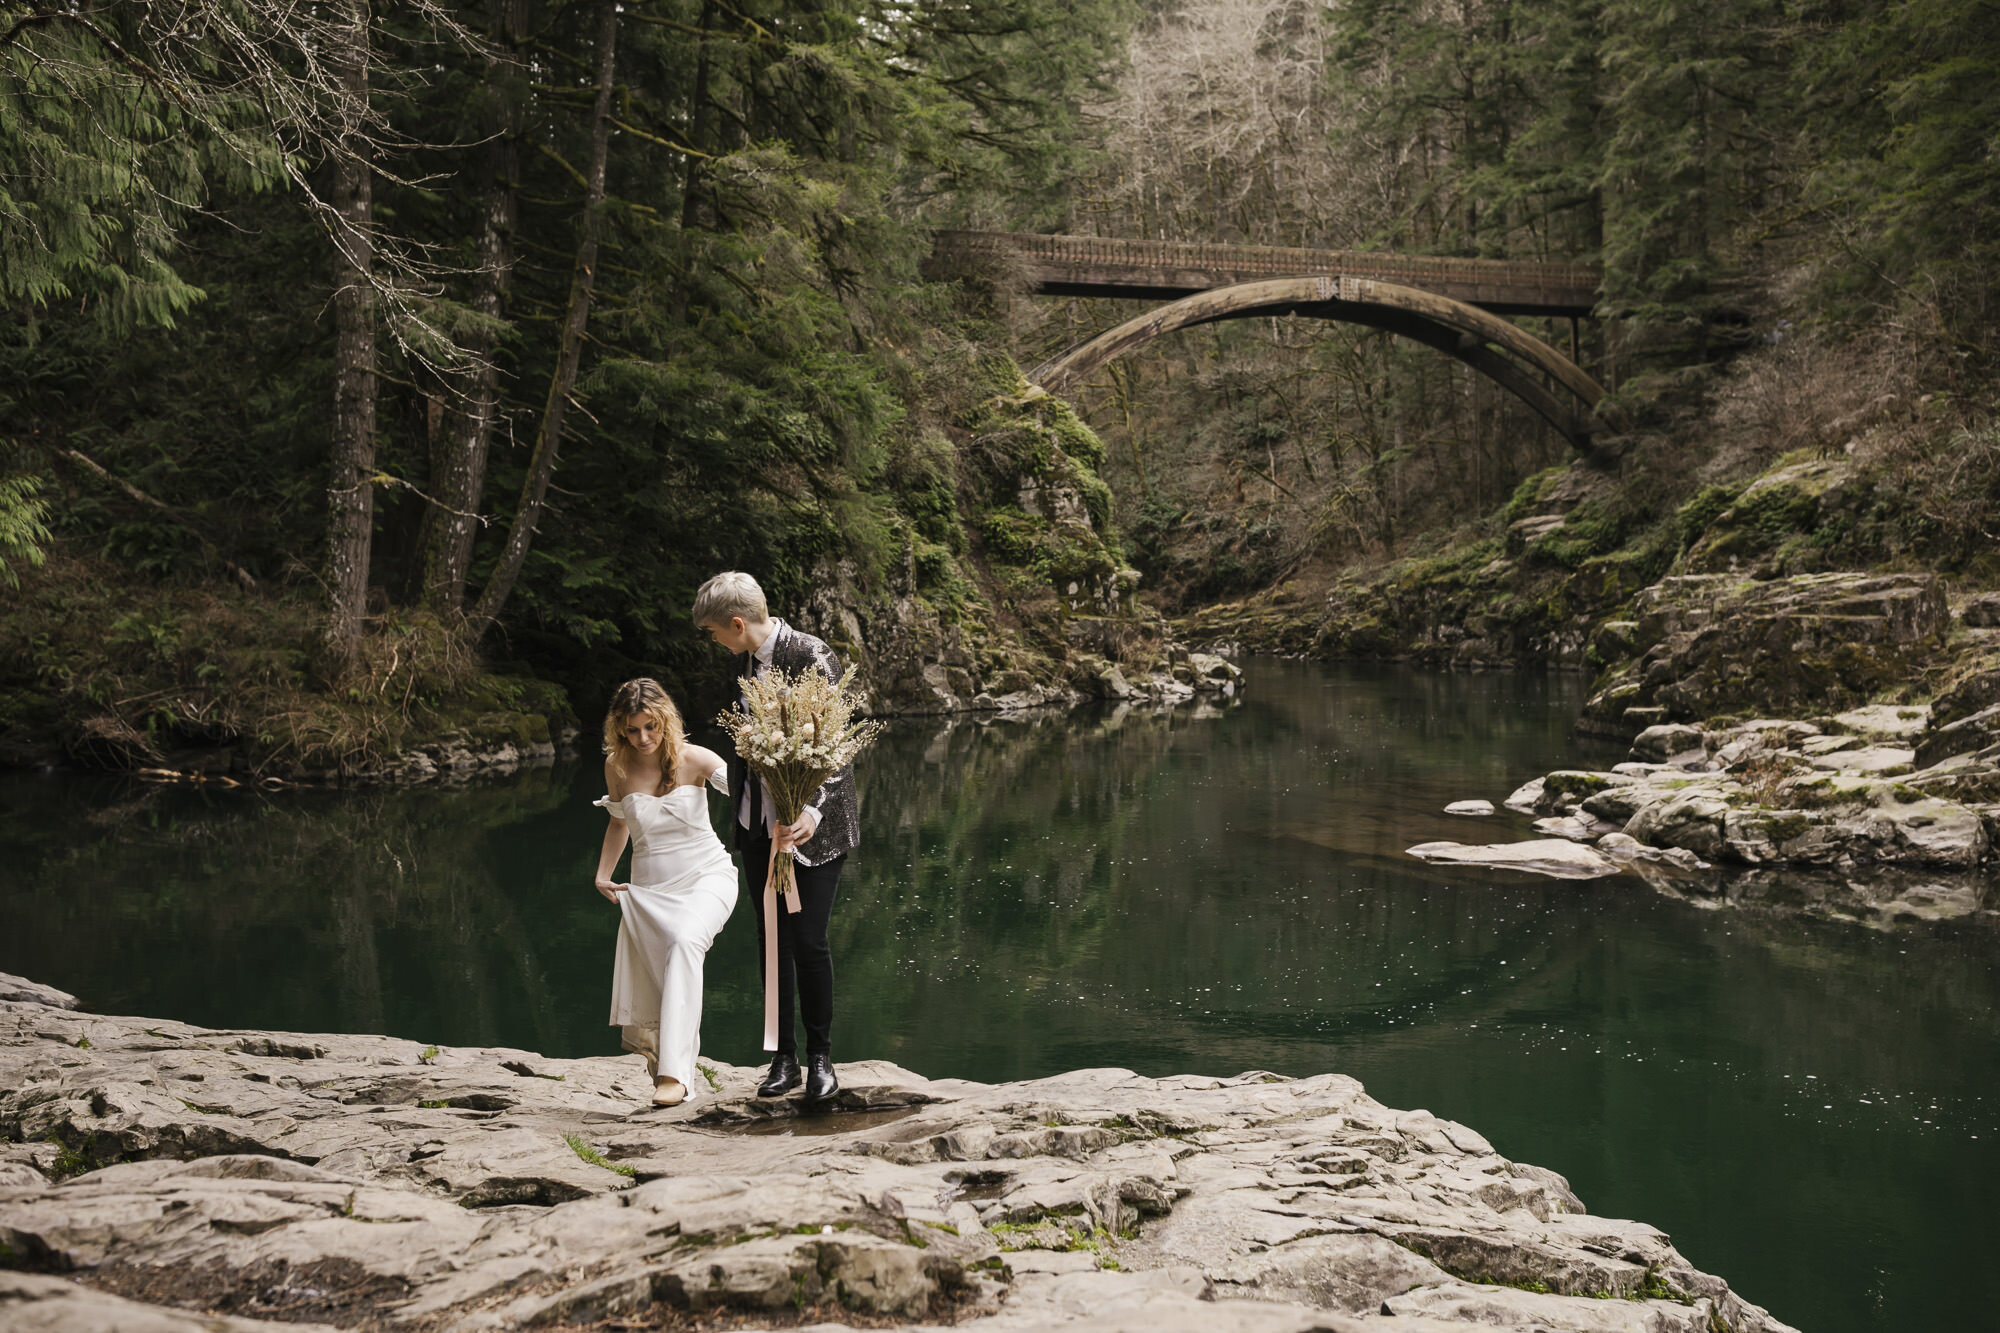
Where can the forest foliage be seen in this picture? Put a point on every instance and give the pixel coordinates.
(735, 386)
(1760, 181)
(519, 317)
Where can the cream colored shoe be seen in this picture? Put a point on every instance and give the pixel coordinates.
(667, 1091)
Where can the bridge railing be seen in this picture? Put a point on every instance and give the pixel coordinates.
(1563, 283)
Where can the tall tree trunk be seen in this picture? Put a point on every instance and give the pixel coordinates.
(576, 318)
(351, 490)
(458, 459)
(699, 131)
(1125, 391)
(691, 179)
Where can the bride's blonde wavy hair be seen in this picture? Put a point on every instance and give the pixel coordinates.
(644, 695)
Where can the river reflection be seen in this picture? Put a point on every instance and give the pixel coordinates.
(1806, 1107)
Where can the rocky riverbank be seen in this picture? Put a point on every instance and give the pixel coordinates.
(1831, 820)
(1755, 747)
(160, 1176)
(1824, 740)
(1175, 677)
(199, 700)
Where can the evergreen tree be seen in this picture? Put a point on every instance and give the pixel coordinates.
(23, 527)
(1689, 158)
(1899, 104)
(351, 213)
(103, 159)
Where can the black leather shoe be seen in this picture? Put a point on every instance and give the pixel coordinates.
(820, 1082)
(784, 1076)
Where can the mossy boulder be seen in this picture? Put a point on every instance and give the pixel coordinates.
(1046, 513)
(1577, 785)
(1796, 646)
(1807, 514)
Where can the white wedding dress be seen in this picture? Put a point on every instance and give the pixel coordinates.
(683, 890)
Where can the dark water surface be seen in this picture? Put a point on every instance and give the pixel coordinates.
(1807, 1108)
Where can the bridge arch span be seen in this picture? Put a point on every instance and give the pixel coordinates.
(1553, 386)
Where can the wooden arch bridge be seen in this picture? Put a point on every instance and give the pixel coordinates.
(1453, 305)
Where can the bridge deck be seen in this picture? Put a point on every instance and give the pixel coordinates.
(1169, 270)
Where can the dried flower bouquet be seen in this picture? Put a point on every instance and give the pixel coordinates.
(796, 731)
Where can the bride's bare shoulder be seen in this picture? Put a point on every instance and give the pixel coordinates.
(614, 785)
(698, 761)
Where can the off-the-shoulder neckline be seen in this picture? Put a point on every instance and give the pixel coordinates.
(662, 795)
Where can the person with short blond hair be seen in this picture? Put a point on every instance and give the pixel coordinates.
(683, 884)
(731, 608)
(730, 596)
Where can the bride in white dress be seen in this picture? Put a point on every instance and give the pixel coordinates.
(683, 884)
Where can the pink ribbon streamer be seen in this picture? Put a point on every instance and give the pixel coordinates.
(771, 944)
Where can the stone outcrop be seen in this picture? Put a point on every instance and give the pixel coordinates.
(1714, 645)
(155, 1175)
(1964, 719)
(1860, 831)
(914, 662)
(1784, 792)
(20, 990)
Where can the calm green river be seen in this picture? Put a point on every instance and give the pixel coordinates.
(1807, 1108)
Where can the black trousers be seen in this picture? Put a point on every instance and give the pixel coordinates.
(805, 963)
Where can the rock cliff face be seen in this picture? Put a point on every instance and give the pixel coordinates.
(1526, 596)
(916, 662)
(1009, 588)
(159, 1176)
(1707, 645)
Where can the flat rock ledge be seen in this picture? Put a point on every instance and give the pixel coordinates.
(158, 1176)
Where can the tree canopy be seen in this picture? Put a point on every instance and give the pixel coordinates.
(604, 298)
